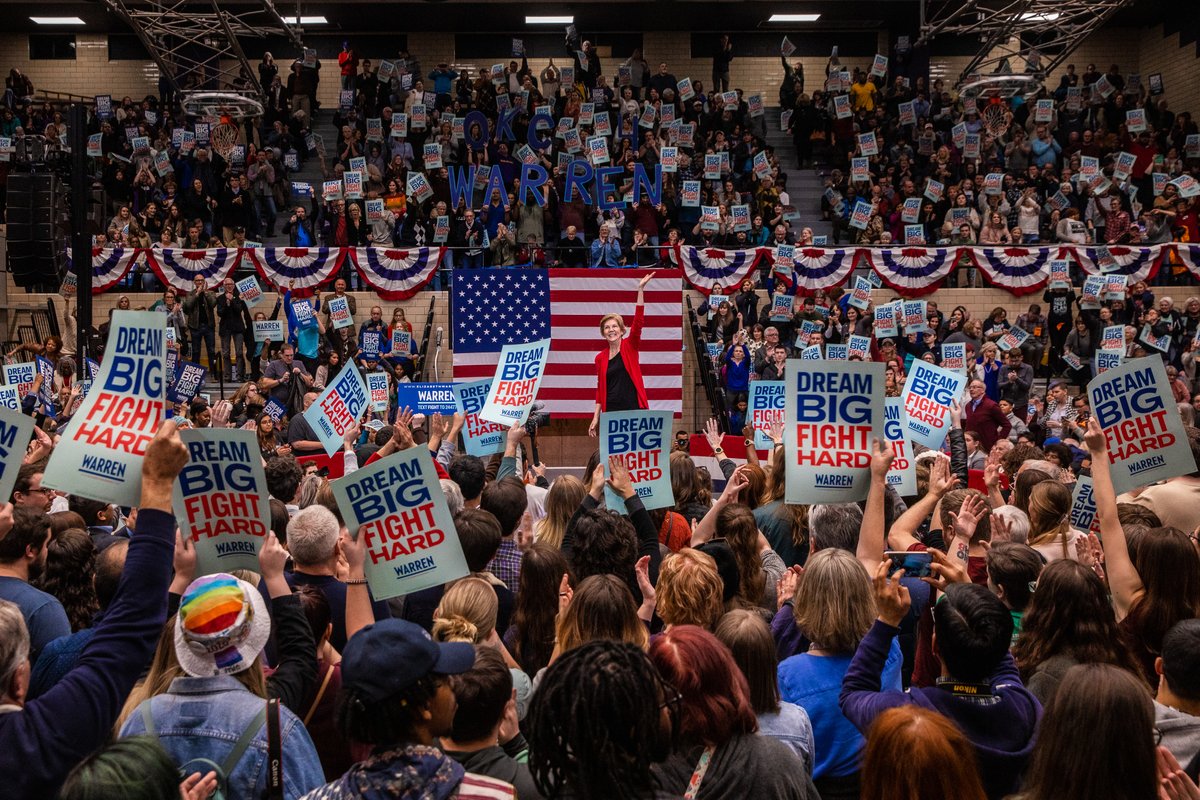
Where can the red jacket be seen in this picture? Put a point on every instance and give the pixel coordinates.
(987, 420)
(629, 356)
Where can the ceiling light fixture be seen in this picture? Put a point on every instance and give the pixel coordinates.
(58, 21)
(318, 20)
(794, 18)
(549, 20)
(1040, 16)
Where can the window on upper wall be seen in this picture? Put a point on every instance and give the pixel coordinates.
(52, 47)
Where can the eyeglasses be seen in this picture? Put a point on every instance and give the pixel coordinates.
(51, 491)
(672, 699)
(1158, 737)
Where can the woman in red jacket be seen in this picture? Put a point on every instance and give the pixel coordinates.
(619, 385)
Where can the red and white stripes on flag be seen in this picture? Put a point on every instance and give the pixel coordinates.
(578, 299)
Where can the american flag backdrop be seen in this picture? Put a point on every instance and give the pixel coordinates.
(494, 307)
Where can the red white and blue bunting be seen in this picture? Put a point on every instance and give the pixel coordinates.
(1189, 256)
(179, 268)
(396, 274)
(912, 271)
(1020, 270)
(109, 266)
(1137, 263)
(303, 269)
(819, 268)
(711, 269)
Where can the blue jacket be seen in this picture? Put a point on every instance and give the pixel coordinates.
(205, 717)
(41, 743)
(605, 255)
(1001, 727)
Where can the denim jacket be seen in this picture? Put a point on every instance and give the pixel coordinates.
(205, 717)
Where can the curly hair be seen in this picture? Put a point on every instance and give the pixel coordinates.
(605, 543)
(595, 726)
(69, 574)
(690, 591)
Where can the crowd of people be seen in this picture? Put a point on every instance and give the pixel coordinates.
(952, 643)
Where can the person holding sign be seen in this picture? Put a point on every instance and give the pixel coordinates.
(619, 385)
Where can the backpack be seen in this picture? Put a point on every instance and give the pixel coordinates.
(268, 715)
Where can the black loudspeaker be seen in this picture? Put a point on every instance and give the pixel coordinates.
(36, 206)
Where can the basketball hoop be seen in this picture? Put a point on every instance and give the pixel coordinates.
(993, 95)
(995, 117)
(227, 108)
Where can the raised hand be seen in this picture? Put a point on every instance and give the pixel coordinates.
(892, 599)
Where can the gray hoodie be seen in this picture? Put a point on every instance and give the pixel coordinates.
(1181, 732)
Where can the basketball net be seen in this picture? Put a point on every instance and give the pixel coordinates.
(224, 136)
(995, 117)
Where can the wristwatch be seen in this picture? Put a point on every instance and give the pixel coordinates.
(718, 450)
(748, 442)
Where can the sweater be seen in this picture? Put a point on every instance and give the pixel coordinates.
(1001, 726)
(42, 742)
(748, 765)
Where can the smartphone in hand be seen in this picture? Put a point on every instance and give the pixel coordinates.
(915, 563)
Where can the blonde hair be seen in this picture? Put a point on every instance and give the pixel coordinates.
(690, 590)
(467, 612)
(620, 321)
(833, 605)
(563, 499)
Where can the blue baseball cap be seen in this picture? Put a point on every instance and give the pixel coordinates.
(392, 654)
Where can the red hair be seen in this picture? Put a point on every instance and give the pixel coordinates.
(916, 754)
(716, 697)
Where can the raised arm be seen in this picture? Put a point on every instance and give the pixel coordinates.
(708, 526)
(904, 530)
(872, 539)
(1123, 578)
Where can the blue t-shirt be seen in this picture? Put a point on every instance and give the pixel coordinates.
(814, 683)
(44, 615)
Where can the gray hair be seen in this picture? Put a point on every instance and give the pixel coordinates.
(1017, 523)
(454, 497)
(835, 525)
(14, 642)
(312, 535)
(309, 486)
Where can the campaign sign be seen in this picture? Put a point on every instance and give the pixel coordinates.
(1142, 428)
(331, 190)
(859, 347)
(860, 169)
(396, 507)
(841, 106)
(100, 455)
(598, 148)
(860, 297)
(9, 398)
(642, 440)
(15, 432)
(220, 499)
(887, 322)
(861, 215)
(401, 341)
(1113, 337)
(1159, 343)
(837, 352)
(249, 291)
(908, 114)
(879, 65)
(669, 158)
(338, 408)
(515, 387)
(1060, 274)
(766, 405)
(377, 386)
(915, 316)
(418, 187)
(353, 181)
(482, 438)
(339, 312)
(868, 145)
(306, 315)
(928, 393)
(1108, 359)
(1123, 166)
(834, 411)
(902, 475)
(268, 330)
(781, 308)
(954, 356)
(189, 378)
(971, 146)
(399, 124)
(427, 398)
(934, 190)
(912, 210)
(1083, 506)
(1043, 111)
(1093, 286)
(1135, 120)
(1071, 360)
(370, 343)
(21, 376)
(1013, 337)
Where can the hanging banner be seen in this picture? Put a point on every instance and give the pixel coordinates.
(397, 508)
(397, 274)
(818, 268)
(110, 265)
(766, 405)
(308, 267)
(902, 475)
(709, 270)
(178, 268)
(100, 454)
(642, 440)
(220, 499)
(15, 432)
(912, 271)
(1146, 441)
(928, 393)
(481, 437)
(515, 387)
(338, 408)
(1137, 263)
(834, 411)
(1020, 270)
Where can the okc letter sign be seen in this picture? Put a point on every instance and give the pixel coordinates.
(834, 411)
(482, 437)
(397, 508)
(640, 439)
(515, 387)
(1142, 429)
(220, 499)
(927, 395)
(100, 456)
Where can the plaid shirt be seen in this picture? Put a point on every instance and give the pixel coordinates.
(507, 564)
